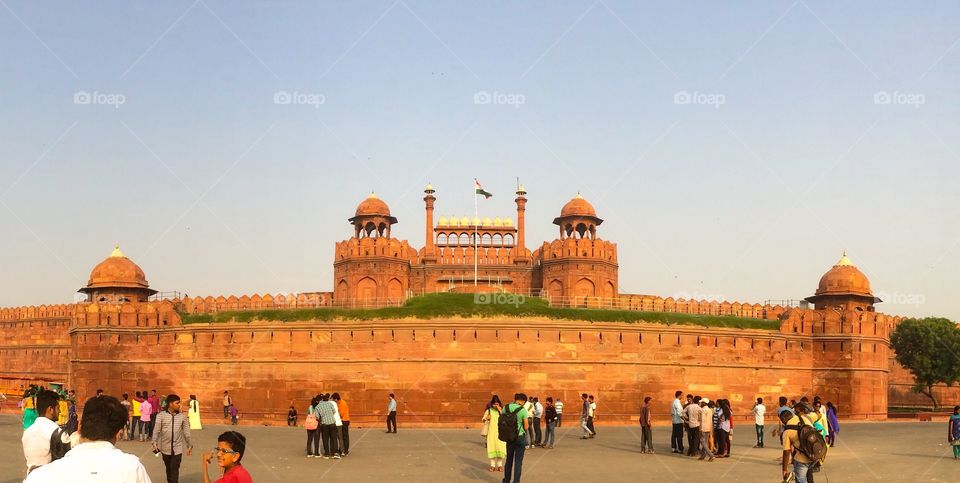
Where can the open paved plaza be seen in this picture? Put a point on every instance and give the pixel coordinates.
(865, 452)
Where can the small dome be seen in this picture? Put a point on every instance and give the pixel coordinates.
(844, 279)
(475, 221)
(429, 188)
(464, 221)
(487, 221)
(117, 271)
(454, 221)
(578, 207)
(372, 205)
(497, 221)
(507, 222)
(442, 221)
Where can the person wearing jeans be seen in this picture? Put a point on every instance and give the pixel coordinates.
(758, 411)
(550, 416)
(515, 449)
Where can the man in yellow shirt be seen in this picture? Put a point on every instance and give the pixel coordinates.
(135, 416)
(791, 442)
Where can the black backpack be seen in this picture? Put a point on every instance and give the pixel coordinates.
(508, 426)
(59, 444)
(812, 444)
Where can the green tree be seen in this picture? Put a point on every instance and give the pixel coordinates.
(930, 349)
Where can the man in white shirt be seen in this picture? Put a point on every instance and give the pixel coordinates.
(36, 438)
(676, 419)
(758, 411)
(592, 416)
(528, 407)
(537, 416)
(559, 407)
(95, 459)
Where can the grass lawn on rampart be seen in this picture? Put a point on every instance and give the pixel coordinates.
(444, 305)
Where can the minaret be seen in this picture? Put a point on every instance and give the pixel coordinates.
(428, 199)
(521, 208)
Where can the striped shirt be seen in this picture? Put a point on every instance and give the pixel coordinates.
(171, 433)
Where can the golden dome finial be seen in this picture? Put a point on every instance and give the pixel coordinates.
(578, 197)
(116, 251)
(844, 261)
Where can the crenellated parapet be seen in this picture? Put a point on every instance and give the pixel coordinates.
(211, 304)
(375, 247)
(38, 311)
(579, 248)
(161, 313)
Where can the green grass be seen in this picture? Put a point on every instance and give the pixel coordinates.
(441, 305)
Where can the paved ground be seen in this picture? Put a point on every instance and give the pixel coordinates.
(865, 452)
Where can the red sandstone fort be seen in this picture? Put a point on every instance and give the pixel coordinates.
(125, 337)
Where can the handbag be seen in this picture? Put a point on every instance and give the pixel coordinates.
(486, 426)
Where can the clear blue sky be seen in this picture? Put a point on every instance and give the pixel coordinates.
(749, 199)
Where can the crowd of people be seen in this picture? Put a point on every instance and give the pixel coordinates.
(56, 441)
(328, 421)
(709, 427)
(56, 446)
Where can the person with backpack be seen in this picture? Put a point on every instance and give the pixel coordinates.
(96, 458)
(312, 425)
(512, 428)
(803, 445)
(41, 438)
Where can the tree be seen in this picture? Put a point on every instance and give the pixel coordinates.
(930, 349)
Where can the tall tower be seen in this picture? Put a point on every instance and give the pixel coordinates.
(520, 250)
(371, 268)
(579, 268)
(429, 251)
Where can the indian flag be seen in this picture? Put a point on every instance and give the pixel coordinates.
(480, 190)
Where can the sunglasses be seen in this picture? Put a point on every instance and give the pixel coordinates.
(224, 451)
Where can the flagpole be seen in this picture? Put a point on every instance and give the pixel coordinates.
(475, 246)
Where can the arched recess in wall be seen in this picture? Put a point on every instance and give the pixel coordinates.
(343, 290)
(584, 288)
(608, 290)
(366, 289)
(555, 288)
(394, 289)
